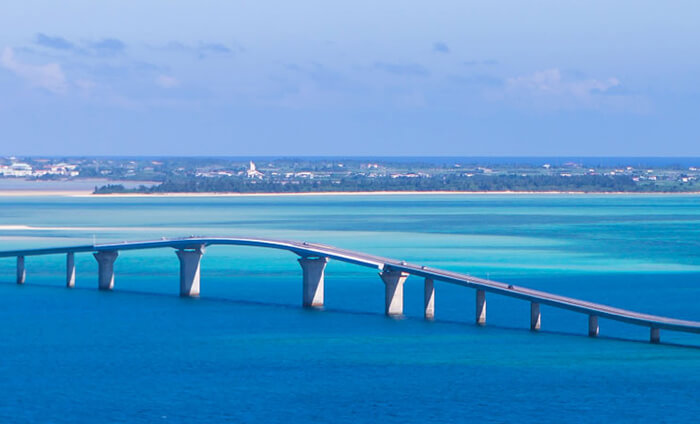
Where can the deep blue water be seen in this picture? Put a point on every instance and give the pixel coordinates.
(246, 352)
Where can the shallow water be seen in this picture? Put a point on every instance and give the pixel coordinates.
(246, 352)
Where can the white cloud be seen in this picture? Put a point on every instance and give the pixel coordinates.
(553, 89)
(551, 82)
(49, 76)
(167, 81)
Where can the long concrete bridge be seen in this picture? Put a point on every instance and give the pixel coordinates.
(313, 258)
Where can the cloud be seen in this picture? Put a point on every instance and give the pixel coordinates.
(408, 69)
(481, 80)
(102, 47)
(552, 82)
(202, 49)
(554, 89)
(167, 81)
(59, 43)
(142, 66)
(108, 46)
(214, 48)
(488, 62)
(49, 76)
(440, 47)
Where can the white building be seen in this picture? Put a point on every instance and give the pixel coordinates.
(252, 172)
(16, 169)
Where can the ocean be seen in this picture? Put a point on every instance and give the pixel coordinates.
(246, 352)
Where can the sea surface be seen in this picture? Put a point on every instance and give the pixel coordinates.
(246, 352)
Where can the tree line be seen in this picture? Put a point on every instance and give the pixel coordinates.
(538, 183)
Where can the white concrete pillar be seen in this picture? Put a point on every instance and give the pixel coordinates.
(21, 273)
(429, 299)
(393, 282)
(593, 328)
(190, 271)
(105, 268)
(480, 307)
(313, 270)
(655, 335)
(70, 270)
(535, 316)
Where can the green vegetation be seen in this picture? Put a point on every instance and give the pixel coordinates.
(540, 183)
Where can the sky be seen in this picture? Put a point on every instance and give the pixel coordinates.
(350, 78)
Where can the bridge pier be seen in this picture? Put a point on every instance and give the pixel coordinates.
(535, 316)
(393, 282)
(429, 299)
(480, 307)
(21, 272)
(190, 270)
(593, 328)
(313, 270)
(70, 270)
(655, 335)
(105, 268)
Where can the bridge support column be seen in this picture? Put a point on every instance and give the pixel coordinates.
(105, 268)
(21, 273)
(535, 316)
(480, 307)
(593, 328)
(429, 299)
(70, 270)
(190, 270)
(313, 270)
(393, 282)
(655, 335)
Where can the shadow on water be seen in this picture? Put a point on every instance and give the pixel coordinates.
(288, 306)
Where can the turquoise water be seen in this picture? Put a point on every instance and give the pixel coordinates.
(246, 352)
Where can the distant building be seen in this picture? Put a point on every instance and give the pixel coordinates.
(252, 172)
(16, 169)
(407, 175)
(63, 169)
(21, 169)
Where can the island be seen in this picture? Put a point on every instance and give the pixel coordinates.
(123, 175)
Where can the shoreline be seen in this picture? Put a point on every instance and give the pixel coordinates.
(88, 193)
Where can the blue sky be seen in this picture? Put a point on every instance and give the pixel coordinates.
(358, 77)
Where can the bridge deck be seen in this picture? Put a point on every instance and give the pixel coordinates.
(380, 263)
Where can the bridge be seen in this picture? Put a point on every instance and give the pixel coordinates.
(313, 258)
